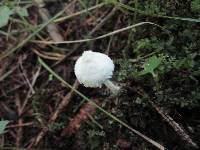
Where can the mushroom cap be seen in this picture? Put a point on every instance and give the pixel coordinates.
(92, 69)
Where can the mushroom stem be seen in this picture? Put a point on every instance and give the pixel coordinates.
(114, 88)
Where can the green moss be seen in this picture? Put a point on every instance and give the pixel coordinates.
(195, 6)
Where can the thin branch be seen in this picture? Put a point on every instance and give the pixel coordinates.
(21, 125)
(19, 133)
(34, 79)
(177, 128)
(26, 78)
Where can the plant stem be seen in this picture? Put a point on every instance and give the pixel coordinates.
(114, 88)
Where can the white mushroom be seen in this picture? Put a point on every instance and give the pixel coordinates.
(93, 69)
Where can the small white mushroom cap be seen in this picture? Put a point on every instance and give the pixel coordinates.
(93, 69)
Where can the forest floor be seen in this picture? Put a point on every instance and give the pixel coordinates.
(155, 46)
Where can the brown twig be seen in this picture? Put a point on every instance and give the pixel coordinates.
(21, 125)
(35, 141)
(101, 23)
(19, 133)
(25, 76)
(177, 128)
(34, 79)
(105, 19)
(107, 51)
(2, 140)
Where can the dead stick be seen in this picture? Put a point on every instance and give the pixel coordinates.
(177, 128)
(19, 133)
(21, 125)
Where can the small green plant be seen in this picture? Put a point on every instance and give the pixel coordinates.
(153, 8)
(7, 11)
(147, 45)
(3, 126)
(56, 126)
(151, 64)
(195, 6)
(142, 44)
